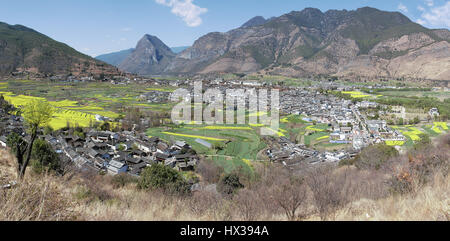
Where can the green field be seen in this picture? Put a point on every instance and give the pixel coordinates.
(89, 94)
(241, 143)
(78, 103)
(413, 132)
(441, 95)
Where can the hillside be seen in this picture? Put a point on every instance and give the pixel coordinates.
(25, 50)
(363, 42)
(408, 187)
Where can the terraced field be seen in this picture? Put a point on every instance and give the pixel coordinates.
(65, 112)
(79, 103)
(413, 132)
(356, 94)
(240, 144)
(90, 96)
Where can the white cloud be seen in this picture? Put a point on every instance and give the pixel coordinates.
(421, 22)
(420, 8)
(429, 3)
(186, 9)
(126, 29)
(437, 16)
(402, 8)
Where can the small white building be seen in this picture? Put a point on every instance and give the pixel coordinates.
(433, 112)
(115, 167)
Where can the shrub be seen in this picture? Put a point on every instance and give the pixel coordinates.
(44, 157)
(229, 183)
(121, 180)
(165, 178)
(209, 171)
(372, 157)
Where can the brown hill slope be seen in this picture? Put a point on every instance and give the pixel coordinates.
(25, 50)
(364, 42)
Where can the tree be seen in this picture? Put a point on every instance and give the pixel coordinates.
(328, 189)
(105, 126)
(36, 114)
(290, 193)
(7, 107)
(229, 183)
(374, 156)
(158, 176)
(44, 156)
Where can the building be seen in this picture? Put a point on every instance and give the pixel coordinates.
(115, 167)
(433, 112)
(3, 141)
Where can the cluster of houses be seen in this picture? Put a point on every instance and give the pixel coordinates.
(292, 155)
(155, 96)
(111, 152)
(123, 152)
(8, 125)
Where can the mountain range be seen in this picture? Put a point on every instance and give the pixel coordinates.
(365, 42)
(116, 58)
(25, 50)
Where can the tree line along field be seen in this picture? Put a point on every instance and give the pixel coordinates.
(78, 103)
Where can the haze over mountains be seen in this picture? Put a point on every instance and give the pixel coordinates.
(365, 42)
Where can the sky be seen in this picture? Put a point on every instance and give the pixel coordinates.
(97, 27)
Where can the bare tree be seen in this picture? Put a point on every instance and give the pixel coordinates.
(289, 193)
(248, 204)
(328, 190)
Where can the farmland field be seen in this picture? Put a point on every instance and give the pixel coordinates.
(441, 95)
(413, 132)
(79, 103)
(89, 94)
(240, 144)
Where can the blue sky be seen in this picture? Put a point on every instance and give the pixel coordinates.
(101, 26)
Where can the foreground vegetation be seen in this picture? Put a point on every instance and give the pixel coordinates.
(414, 186)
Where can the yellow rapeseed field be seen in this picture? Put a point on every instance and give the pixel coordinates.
(194, 136)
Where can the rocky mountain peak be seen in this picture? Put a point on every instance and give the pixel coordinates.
(256, 21)
(150, 56)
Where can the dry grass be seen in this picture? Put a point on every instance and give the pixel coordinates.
(35, 198)
(430, 203)
(363, 195)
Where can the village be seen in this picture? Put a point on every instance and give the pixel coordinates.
(108, 152)
(131, 151)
